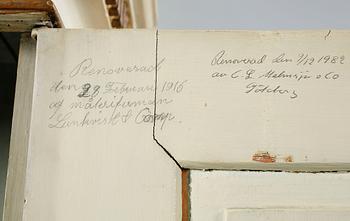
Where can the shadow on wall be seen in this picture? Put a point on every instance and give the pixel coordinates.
(9, 43)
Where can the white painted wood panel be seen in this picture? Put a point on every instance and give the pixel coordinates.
(288, 214)
(262, 196)
(91, 155)
(17, 163)
(82, 13)
(257, 100)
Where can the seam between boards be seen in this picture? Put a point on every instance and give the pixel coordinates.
(155, 105)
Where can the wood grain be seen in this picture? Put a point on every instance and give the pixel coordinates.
(23, 16)
(22, 20)
(185, 195)
(37, 5)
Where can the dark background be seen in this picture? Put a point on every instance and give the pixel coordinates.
(9, 43)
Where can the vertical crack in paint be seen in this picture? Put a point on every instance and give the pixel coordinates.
(155, 106)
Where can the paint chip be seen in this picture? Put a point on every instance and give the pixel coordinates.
(288, 159)
(264, 157)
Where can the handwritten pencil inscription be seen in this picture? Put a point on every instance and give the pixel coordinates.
(281, 74)
(90, 95)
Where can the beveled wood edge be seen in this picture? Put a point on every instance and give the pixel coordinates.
(277, 167)
(186, 203)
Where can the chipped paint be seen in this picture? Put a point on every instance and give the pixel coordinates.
(267, 157)
(264, 157)
(288, 159)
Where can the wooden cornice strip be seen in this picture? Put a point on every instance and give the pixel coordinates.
(22, 20)
(35, 5)
(119, 13)
(24, 15)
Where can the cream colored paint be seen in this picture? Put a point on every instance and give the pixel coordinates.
(17, 162)
(95, 172)
(144, 13)
(229, 195)
(287, 214)
(110, 166)
(219, 124)
(82, 13)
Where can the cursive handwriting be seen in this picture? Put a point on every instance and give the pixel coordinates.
(221, 59)
(147, 116)
(87, 67)
(267, 89)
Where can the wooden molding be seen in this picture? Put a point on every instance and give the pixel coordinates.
(119, 13)
(37, 5)
(144, 13)
(24, 15)
(22, 20)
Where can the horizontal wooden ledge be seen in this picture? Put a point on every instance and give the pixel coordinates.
(26, 4)
(24, 15)
(286, 167)
(23, 20)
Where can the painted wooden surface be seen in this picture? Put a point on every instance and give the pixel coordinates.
(16, 174)
(265, 196)
(144, 13)
(82, 13)
(256, 100)
(97, 148)
(91, 155)
(288, 214)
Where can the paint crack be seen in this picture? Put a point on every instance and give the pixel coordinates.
(155, 106)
